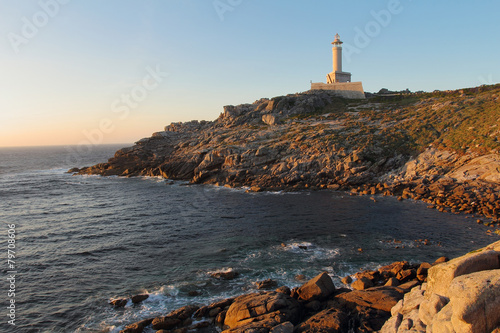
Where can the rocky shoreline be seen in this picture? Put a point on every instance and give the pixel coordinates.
(459, 295)
(441, 148)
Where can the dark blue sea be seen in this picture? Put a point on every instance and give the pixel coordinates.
(83, 240)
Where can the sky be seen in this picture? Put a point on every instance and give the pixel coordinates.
(80, 72)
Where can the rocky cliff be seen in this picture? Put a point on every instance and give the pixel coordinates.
(439, 147)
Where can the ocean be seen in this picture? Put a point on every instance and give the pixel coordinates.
(83, 240)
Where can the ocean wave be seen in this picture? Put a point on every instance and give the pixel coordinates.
(312, 250)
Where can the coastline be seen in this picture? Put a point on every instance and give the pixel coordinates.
(399, 295)
(414, 146)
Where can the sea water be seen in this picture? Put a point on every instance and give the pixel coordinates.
(84, 240)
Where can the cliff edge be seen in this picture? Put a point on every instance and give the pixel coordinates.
(440, 147)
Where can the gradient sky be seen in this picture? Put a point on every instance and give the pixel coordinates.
(67, 67)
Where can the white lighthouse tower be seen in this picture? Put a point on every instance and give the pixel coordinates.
(339, 81)
(337, 75)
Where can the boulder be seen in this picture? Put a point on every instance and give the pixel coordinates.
(269, 119)
(422, 271)
(330, 320)
(174, 318)
(119, 303)
(440, 276)
(406, 275)
(394, 268)
(362, 283)
(267, 309)
(139, 298)
(392, 282)
(382, 298)
(165, 322)
(475, 299)
(318, 288)
(440, 260)
(266, 284)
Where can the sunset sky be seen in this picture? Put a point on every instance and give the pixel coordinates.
(116, 71)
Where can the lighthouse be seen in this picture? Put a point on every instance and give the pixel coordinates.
(337, 75)
(337, 81)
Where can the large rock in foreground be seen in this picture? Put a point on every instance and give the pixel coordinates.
(327, 321)
(261, 311)
(440, 277)
(381, 298)
(462, 295)
(318, 288)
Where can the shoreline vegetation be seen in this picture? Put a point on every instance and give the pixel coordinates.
(441, 148)
(459, 295)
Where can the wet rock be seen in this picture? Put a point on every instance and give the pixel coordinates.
(166, 323)
(266, 284)
(137, 327)
(139, 298)
(194, 293)
(119, 303)
(199, 326)
(225, 275)
(174, 318)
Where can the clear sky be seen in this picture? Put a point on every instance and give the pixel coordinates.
(116, 71)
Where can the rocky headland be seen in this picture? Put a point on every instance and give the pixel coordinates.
(459, 295)
(439, 147)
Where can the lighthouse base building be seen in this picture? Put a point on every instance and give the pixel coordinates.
(339, 81)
